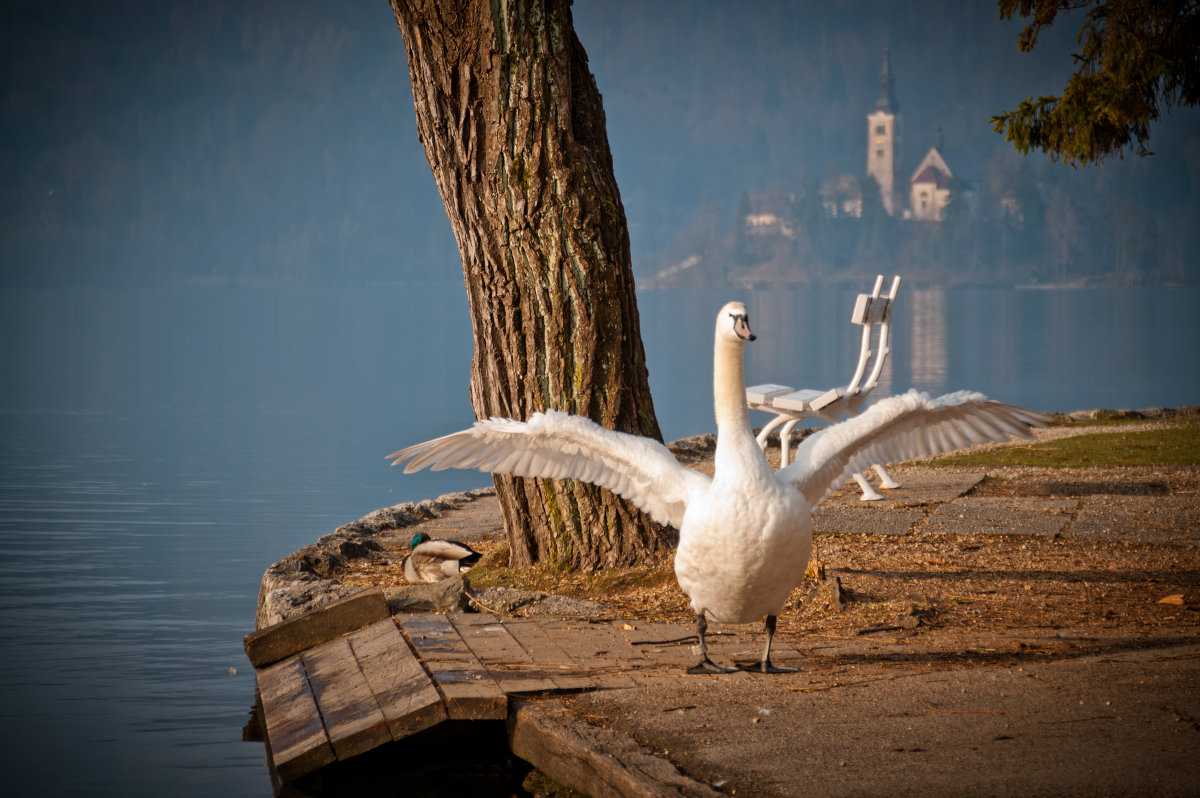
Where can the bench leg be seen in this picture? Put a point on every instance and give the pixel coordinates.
(770, 427)
(885, 479)
(785, 441)
(869, 494)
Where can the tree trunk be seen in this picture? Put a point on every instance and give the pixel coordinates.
(513, 127)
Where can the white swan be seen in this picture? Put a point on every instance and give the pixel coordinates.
(745, 535)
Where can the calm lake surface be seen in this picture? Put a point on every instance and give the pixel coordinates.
(161, 448)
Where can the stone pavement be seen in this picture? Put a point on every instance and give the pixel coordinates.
(1124, 722)
(1029, 710)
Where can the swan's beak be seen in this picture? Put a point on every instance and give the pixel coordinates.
(741, 326)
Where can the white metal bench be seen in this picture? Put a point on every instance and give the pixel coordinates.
(873, 310)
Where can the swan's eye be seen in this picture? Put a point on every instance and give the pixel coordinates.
(741, 326)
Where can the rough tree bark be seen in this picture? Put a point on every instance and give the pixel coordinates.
(514, 130)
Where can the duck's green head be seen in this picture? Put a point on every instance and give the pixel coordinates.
(418, 539)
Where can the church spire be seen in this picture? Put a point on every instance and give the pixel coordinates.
(887, 86)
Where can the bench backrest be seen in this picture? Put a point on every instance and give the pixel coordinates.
(870, 311)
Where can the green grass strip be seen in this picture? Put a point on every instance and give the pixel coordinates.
(1178, 444)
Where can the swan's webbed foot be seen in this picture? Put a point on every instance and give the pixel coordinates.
(885, 479)
(705, 665)
(765, 665)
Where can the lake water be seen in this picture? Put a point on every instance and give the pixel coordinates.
(160, 448)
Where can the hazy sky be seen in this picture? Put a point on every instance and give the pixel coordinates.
(160, 140)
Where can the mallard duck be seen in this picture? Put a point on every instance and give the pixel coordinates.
(432, 560)
(745, 534)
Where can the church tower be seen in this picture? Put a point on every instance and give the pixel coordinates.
(883, 137)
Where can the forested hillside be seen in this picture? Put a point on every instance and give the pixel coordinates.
(274, 142)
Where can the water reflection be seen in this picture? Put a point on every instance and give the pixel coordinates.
(158, 449)
(926, 339)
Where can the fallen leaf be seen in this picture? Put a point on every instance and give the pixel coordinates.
(628, 627)
(1176, 598)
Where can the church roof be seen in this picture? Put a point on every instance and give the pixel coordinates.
(887, 87)
(931, 174)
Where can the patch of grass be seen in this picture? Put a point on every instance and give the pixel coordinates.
(1102, 421)
(1174, 445)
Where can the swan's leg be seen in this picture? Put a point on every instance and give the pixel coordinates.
(705, 665)
(869, 494)
(765, 666)
(885, 479)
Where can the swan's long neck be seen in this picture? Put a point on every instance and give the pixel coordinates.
(735, 438)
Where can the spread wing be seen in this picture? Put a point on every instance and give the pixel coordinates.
(901, 428)
(558, 445)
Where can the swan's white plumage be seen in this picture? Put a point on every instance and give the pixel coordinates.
(558, 445)
(901, 428)
(745, 535)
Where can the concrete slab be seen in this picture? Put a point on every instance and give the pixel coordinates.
(1001, 515)
(1139, 519)
(926, 486)
(866, 520)
(1115, 724)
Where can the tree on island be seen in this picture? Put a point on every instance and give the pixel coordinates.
(514, 130)
(1136, 58)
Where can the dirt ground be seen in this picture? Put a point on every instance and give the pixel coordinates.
(942, 577)
(984, 630)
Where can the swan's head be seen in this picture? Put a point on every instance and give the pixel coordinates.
(733, 323)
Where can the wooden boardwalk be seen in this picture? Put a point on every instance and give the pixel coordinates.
(329, 694)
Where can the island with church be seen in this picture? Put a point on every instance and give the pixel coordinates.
(934, 218)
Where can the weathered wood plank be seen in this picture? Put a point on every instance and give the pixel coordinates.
(405, 694)
(351, 714)
(663, 643)
(508, 663)
(284, 639)
(561, 666)
(296, 737)
(641, 669)
(618, 646)
(599, 762)
(673, 645)
(487, 638)
(593, 647)
(744, 643)
(471, 694)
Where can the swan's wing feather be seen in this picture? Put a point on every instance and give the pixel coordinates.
(901, 428)
(558, 445)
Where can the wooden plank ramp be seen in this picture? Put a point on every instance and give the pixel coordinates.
(349, 677)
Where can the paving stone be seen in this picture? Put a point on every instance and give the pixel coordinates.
(1001, 515)
(1139, 519)
(917, 488)
(866, 520)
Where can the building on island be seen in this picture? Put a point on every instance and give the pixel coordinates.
(883, 137)
(768, 215)
(934, 183)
